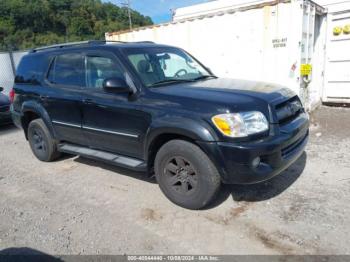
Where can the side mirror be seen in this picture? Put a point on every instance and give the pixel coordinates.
(1, 89)
(117, 85)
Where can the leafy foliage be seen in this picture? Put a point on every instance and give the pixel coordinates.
(30, 23)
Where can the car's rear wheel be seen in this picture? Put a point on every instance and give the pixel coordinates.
(41, 142)
(186, 175)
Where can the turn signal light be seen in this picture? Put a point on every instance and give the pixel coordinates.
(222, 125)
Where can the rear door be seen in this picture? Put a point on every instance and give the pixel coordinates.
(112, 121)
(62, 100)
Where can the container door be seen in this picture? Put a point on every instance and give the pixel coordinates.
(312, 54)
(337, 71)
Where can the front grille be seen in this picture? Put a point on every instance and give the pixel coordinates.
(288, 110)
(294, 146)
(4, 108)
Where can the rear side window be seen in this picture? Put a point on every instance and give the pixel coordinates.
(67, 70)
(31, 69)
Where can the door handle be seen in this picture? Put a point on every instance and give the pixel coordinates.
(88, 101)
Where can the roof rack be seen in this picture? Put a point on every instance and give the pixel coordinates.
(89, 42)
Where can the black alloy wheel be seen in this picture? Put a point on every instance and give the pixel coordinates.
(43, 145)
(181, 176)
(186, 175)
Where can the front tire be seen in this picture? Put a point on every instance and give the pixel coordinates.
(41, 142)
(186, 175)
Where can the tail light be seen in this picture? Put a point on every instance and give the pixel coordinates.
(12, 95)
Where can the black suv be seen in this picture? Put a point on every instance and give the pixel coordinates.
(150, 107)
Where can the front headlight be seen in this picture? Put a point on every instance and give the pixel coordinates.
(241, 124)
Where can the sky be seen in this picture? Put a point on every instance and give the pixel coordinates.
(158, 10)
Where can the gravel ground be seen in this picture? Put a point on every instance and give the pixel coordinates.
(79, 206)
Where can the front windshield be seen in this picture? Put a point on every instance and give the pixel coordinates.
(163, 65)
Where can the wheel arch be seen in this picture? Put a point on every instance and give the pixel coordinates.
(169, 129)
(32, 110)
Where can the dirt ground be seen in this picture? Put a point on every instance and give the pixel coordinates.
(78, 206)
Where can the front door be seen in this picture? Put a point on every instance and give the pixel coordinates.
(111, 121)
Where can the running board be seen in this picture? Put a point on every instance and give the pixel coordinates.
(128, 162)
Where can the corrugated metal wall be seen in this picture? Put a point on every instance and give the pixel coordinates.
(213, 6)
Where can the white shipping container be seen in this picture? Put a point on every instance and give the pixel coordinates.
(337, 65)
(263, 41)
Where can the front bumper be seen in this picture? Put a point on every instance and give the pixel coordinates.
(277, 152)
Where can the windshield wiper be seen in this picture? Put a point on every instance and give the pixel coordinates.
(171, 81)
(174, 81)
(204, 77)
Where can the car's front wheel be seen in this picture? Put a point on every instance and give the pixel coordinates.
(186, 175)
(41, 142)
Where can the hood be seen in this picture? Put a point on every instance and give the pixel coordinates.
(223, 90)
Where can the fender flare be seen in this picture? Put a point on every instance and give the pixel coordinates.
(35, 107)
(197, 130)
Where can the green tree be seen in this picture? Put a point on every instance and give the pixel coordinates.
(29, 23)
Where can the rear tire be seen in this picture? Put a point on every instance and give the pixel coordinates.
(186, 175)
(43, 146)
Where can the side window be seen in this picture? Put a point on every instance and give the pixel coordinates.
(100, 68)
(30, 69)
(67, 69)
